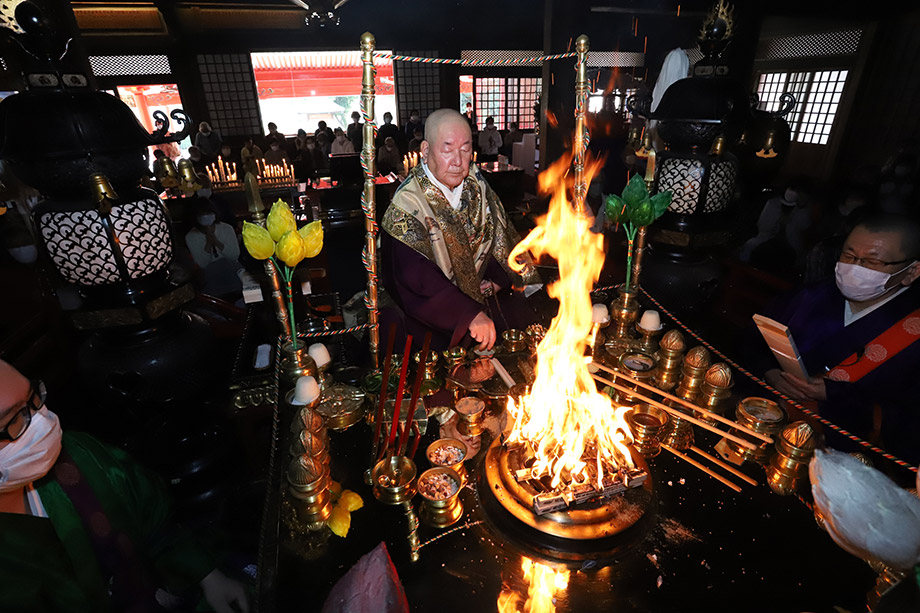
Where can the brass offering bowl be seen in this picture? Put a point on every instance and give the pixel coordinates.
(639, 366)
(471, 413)
(760, 415)
(341, 406)
(455, 356)
(441, 512)
(457, 467)
(514, 341)
(393, 480)
(647, 424)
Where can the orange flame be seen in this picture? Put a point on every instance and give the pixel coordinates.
(544, 583)
(575, 432)
(551, 119)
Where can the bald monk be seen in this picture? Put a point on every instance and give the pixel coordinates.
(445, 245)
(82, 527)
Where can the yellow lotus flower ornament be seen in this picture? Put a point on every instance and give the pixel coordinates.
(280, 221)
(258, 241)
(312, 234)
(290, 248)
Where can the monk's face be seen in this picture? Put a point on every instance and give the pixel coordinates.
(449, 152)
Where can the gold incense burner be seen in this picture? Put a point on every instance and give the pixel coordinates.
(763, 416)
(440, 512)
(715, 391)
(455, 356)
(787, 471)
(514, 341)
(431, 364)
(693, 371)
(670, 357)
(393, 479)
(457, 467)
(647, 424)
(471, 412)
(639, 366)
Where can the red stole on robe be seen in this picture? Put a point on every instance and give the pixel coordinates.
(884, 347)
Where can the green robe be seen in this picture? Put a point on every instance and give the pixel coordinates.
(48, 564)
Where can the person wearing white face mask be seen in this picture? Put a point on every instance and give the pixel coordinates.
(782, 229)
(84, 528)
(215, 249)
(858, 337)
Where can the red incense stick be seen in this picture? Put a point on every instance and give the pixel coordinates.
(384, 384)
(400, 389)
(416, 388)
(417, 435)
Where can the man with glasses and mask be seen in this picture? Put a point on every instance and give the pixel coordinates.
(82, 527)
(858, 338)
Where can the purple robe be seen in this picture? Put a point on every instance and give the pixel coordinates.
(815, 319)
(428, 301)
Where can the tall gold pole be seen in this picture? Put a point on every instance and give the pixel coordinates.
(368, 161)
(581, 127)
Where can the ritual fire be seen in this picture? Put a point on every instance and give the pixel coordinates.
(568, 451)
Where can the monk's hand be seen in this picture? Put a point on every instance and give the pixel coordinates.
(488, 288)
(483, 331)
(776, 379)
(812, 388)
(224, 594)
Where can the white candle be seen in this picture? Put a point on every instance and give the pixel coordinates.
(650, 321)
(220, 169)
(306, 391)
(320, 354)
(599, 314)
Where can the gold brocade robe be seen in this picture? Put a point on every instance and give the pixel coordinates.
(459, 241)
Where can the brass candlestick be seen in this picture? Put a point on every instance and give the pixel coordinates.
(715, 391)
(670, 357)
(787, 471)
(394, 480)
(693, 369)
(648, 342)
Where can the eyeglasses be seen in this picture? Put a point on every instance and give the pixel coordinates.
(22, 417)
(849, 258)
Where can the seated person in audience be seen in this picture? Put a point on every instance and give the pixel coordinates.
(490, 139)
(513, 136)
(858, 336)
(249, 154)
(84, 528)
(276, 154)
(388, 158)
(215, 249)
(415, 144)
(341, 144)
(445, 246)
(390, 130)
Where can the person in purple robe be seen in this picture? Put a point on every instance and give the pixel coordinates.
(858, 338)
(445, 246)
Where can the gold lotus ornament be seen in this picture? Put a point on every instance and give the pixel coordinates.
(312, 234)
(280, 221)
(290, 248)
(258, 241)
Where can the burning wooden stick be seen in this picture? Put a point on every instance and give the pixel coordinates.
(416, 388)
(400, 390)
(706, 470)
(384, 384)
(723, 465)
(676, 412)
(685, 403)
